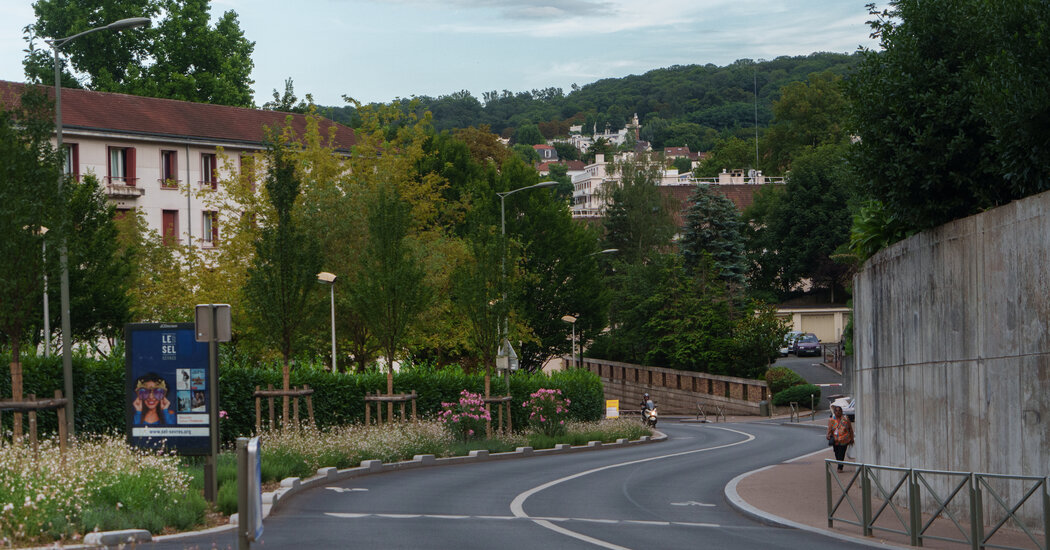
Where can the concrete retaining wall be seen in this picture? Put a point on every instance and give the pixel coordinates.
(952, 347)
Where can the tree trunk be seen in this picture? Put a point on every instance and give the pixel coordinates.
(16, 384)
(285, 385)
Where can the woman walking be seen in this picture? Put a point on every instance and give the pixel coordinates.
(840, 433)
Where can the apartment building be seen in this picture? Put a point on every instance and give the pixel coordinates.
(162, 156)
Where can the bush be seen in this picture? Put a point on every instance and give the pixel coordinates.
(799, 394)
(338, 398)
(465, 419)
(781, 378)
(547, 411)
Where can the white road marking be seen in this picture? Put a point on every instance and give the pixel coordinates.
(690, 503)
(517, 505)
(536, 519)
(345, 490)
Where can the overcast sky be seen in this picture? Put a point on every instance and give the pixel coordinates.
(376, 50)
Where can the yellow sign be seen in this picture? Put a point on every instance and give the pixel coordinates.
(612, 408)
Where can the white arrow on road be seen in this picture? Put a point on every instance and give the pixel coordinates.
(345, 490)
(690, 503)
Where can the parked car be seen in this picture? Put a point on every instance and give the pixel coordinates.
(807, 344)
(789, 343)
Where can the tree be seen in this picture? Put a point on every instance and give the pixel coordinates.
(284, 271)
(951, 111)
(637, 220)
(477, 292)
(713, 228)
(728, 154)
(808, 114)
(390, 293)
(794, 234)
(27, 162)
(182, 57)
(529, 134)
(287, 102)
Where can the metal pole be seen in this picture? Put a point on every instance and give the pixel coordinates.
(211, 482)
(63, 259)
(573, 344)
(243, 543)
(47, 310)
(334, 369)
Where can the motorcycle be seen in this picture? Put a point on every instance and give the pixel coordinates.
(649, 414)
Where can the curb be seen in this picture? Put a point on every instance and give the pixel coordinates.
(292, 485)
(740, 505)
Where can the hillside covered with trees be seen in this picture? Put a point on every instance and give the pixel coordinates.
(690, 105)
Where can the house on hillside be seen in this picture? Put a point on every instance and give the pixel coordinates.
(159, 155)
(547, 153)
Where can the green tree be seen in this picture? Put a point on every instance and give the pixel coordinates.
(477, 292)
(951, 110)
(637, 220)
(286, 102)
(27, 162)
(728, 154)
(390, 293)
(529, 134)
(794, 234)
(713, 228)
(183, 56)
(808, 114)
(283, 273)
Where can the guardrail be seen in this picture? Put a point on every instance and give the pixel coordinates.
(902, 491)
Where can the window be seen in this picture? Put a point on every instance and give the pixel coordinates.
(121, 168)
(169, 169)
(71, 166)
(170, 226)
(210, 230)
(209, 171)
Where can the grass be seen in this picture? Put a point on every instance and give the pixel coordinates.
(103, 484)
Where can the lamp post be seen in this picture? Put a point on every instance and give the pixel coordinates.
(503, 261)
(67, 348)
(47, 311)
(327, 278)
(572, 320)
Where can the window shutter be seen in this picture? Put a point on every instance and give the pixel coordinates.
(109, 165)
(74, 153)
(129, 166)
(215, 229)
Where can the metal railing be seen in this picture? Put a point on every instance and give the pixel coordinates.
(898, 493)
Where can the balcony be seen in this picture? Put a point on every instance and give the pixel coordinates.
(169, 183)
(123, 188)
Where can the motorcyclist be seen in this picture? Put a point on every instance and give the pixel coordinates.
(647, 403)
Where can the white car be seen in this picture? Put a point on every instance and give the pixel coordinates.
(789, 341)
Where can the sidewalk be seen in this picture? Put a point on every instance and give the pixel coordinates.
(794, 494)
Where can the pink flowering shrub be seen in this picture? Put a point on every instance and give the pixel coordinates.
(465, 419)
(547, 411)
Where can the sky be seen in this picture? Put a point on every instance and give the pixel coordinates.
(377, 50)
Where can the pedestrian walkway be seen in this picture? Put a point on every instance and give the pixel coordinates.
(794, 494)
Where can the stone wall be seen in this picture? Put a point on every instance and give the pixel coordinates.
(676, 391)
(952, 351)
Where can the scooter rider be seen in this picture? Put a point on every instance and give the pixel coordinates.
(647, 403)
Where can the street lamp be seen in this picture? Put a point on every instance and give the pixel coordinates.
(606, 251)
(503, 261)
(327, 278)
(572, 320)
(47, 311)
(67, 348)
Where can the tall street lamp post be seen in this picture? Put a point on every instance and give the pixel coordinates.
(503, 265)
(327, 278)
(572, 320)
(47, 311)
(67, 348)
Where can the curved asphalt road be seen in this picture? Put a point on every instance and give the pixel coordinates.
(660, 495)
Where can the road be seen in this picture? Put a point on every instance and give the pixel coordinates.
(814, 373)
(662, 495)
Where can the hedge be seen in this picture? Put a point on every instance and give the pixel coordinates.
(338, 398)
(799, 394)
(781, 378)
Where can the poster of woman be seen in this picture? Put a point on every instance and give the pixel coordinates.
(151, 403)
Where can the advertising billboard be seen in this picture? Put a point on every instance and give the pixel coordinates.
(167, 388)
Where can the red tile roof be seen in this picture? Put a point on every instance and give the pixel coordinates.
(128, 114)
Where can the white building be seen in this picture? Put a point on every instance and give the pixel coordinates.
(162, 156)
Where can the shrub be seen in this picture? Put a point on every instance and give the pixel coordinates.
(465, 419)
(547, 411)
(799, 394)
(781, 378)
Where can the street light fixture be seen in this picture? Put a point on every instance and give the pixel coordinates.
(67, 348)
(327, 278)
(572, 320)
(503, 261)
